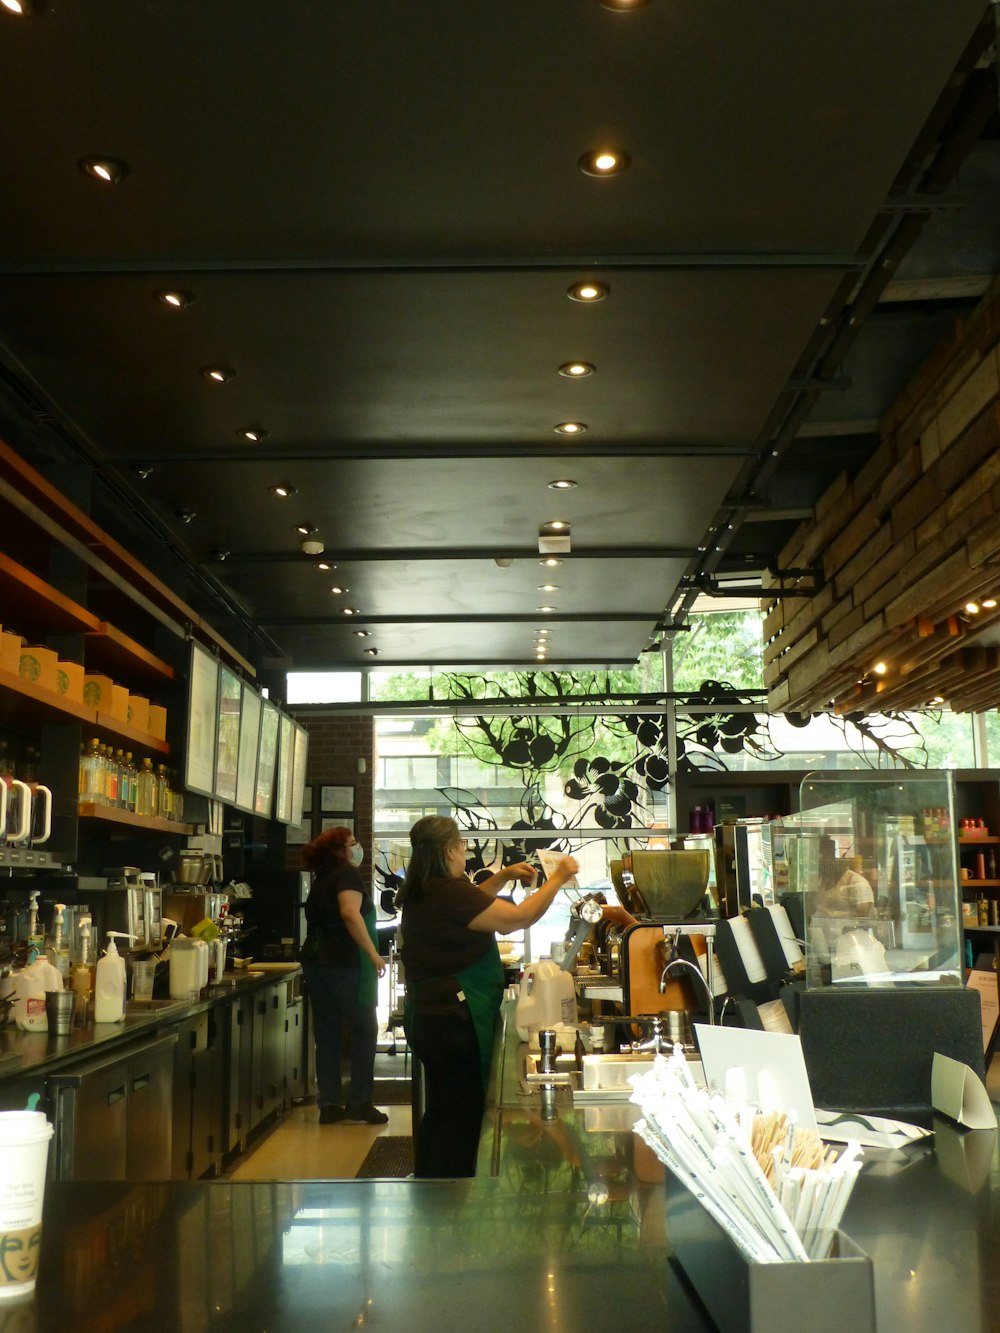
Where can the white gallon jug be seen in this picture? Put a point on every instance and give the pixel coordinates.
(547, 999)
(30, 985)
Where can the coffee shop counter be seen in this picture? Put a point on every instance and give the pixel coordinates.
(34, 1055)
(563, 1229)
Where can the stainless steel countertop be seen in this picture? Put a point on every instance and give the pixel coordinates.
(38, 1053)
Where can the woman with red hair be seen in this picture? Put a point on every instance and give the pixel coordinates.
(341, 964)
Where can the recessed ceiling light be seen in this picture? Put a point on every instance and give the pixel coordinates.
(548, 587)
(107, 170)
(324, 565)
(556, 524)
(605, 162)
(880, 668)
(544, 608)
(622, 6)
(338, 589)
(372, 652)
(22, 7)
(938, 699)
(186, 515)
(577, 370)
(174, 299)
(972, 608)
(564, 484)
(570, 428)
(362, 633)
(306, 529)
(218, 374)
(588, 292)
(550, 561)
(989, 603)
(283, 492)
(543, 633)
(351, 611)
(252, 433)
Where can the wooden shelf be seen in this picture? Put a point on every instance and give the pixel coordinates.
(31, 603)
(23, 704)
(110, 814)
(111, 726)
(992, 930)
(978, 842)
(109, 648)
(980, 883)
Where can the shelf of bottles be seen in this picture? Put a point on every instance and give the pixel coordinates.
(977, 850)
(116, 788)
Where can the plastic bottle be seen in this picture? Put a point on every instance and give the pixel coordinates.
(36, 942)
(30, 985)
(146, 789)
(109, 992)
(81, 979)
(57, 952)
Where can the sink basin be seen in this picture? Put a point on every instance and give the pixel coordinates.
(151, 1006)
(612, 1071)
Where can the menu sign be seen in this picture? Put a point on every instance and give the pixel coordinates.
(202, 722)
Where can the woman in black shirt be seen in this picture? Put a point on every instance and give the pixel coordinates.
(454, 984)
(341, 964)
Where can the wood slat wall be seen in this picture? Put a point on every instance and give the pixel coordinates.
(903, 547)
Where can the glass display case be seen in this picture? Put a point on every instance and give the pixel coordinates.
(870, 861)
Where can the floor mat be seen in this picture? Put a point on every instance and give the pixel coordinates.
(389, 1158)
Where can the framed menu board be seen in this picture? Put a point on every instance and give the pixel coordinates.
(286, 759)
(300, 755)
(246, 773)
(227, 749)
(202, 726)
(267, 755)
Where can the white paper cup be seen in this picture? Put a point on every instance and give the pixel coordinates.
(24, 1153)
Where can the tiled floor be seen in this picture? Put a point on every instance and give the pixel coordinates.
(300, 1148)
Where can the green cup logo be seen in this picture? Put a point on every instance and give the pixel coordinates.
(19, 1251)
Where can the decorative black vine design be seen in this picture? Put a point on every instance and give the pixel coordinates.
(618, 758)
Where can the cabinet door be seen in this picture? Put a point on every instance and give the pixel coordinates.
(92, 1123)
(187, 1040)
(150, 1104)
(274, 1048)
(294, 1050)
(208, 1094)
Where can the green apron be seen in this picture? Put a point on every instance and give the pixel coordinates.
(367, 978)
(482, 984)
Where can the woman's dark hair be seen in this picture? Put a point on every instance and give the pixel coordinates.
(430, 839)
(326, 851)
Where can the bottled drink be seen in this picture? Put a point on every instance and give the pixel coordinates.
(145, 803)
(131, 782)
(90, 775)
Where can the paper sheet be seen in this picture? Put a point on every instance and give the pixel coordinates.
(768, 1064)
(871, 1131)
(958, 1092)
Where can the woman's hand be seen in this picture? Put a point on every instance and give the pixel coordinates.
(566, 868)
(522, 872)
(379, 964)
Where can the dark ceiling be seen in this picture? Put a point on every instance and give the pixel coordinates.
(378, 210)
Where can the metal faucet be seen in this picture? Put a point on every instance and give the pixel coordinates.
(696, 972)
(656, 1041)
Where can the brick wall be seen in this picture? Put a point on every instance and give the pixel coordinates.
(336, 743)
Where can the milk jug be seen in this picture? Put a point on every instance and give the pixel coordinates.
(547, 999)
(30, 985)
